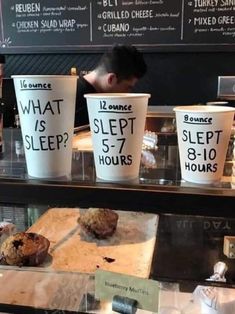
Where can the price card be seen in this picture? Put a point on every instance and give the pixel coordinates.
(144, 291)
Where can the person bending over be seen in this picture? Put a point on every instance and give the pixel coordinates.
(117, 72)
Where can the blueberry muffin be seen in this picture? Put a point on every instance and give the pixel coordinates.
(25, 249)
(99, 223)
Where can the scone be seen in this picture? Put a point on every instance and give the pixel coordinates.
(6, 229)
(100, 223)
(25, 249)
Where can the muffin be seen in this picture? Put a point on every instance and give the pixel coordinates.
(25, 249)
(99, 223)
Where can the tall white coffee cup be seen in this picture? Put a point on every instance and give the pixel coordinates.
(203, 137)
(117, 122)
(46, 105)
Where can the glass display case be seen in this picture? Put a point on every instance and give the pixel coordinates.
(192, 221)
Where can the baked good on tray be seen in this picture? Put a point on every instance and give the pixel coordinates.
(100, 223)
(25, 249)
(6, 229)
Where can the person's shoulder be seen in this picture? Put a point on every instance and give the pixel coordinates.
(85, 86)
(82, 81)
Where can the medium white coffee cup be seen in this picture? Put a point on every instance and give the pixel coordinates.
(117, 122)
(46, 105)
(203, 137)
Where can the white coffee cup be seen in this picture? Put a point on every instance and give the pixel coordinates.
(203, 137)
(46, 105)
(117, 122)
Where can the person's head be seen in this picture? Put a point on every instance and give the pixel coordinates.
(120, 68)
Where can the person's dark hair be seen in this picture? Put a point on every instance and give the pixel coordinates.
(123, 60)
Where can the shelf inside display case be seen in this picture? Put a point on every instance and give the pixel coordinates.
(66, 276)
(71, 250)
(186, 250)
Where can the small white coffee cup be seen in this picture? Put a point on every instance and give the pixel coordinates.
(203, 137)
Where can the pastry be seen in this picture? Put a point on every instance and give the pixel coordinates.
(100, 223)
(25, 249)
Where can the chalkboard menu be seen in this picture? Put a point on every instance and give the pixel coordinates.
(83, 25)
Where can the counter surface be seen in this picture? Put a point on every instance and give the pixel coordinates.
(159, 177)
